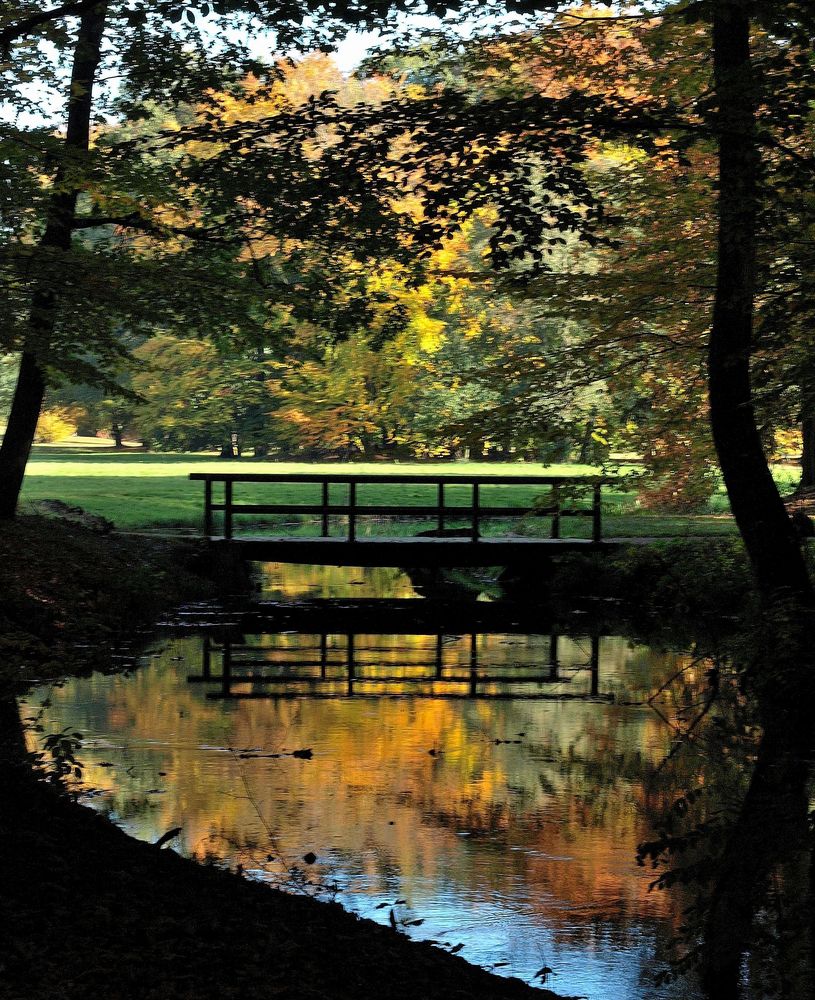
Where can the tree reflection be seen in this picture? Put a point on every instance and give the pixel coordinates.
(760, 895)
(740, 850)
(467, 796)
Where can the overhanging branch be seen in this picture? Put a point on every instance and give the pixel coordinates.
(27, 25)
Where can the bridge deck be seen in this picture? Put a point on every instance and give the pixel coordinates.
(412, 551)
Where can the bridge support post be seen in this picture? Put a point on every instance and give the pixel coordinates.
(325, 509)
(207, 508)
(352, 511)
(228, 508)
(596, 515)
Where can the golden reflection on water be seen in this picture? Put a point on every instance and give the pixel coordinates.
(524, 850)
(280, 581)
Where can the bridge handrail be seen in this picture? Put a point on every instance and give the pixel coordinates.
(412, 477)
(441, 510)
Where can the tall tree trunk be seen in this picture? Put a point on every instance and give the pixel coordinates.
(768, 534)
(776, 800)
(56, 240)
(807, 452)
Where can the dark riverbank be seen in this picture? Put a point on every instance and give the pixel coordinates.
(86, 910)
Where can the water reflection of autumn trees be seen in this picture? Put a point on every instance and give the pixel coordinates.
(560, 813)
(524, 813)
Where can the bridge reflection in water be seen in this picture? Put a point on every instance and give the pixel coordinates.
(337, 665)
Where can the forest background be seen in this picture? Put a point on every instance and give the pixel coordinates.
(497, 238)
(243, 282)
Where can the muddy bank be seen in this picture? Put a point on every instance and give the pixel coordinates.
(71, 597)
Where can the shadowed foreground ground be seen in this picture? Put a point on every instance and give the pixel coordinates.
(90, 911)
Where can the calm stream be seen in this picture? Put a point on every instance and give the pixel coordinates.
(502, 822)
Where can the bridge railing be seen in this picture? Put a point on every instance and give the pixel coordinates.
(557, 506)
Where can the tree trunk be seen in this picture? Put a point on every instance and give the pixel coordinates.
(55, 241)
(768, 534)
(116, 431)
(19, 436)
(586, 444)
(807, 453)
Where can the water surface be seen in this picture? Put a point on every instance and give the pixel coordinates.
(506, 822)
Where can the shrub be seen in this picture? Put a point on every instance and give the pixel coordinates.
(56, 424)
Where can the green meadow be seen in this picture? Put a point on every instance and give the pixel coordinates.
(141, 491)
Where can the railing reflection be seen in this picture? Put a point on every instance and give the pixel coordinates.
(334, 665)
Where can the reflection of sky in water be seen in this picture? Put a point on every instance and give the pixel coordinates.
(523, 851)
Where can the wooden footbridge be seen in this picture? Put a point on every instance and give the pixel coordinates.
(457, 507)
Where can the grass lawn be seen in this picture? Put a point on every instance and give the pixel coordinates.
(138, 490)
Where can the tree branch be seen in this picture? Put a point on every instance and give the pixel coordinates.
(136, 221)
(645, 16)
(16, 30)
(96, 221)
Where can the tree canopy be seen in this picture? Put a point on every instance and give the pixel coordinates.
(204, 193)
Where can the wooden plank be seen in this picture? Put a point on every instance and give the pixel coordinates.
(403, 510)
(430, 479)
